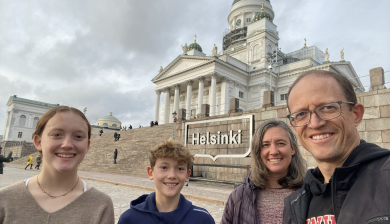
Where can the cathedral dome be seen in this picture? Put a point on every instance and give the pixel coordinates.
(195, 46)
(263, 14)
(235, 1)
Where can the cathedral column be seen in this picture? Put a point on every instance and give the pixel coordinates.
(189, 92)
(224, 96)
(213, 93)
(200, 94)
(236, 90)
(243, 20)
(157, 110)
(166, 108)
(176, 99)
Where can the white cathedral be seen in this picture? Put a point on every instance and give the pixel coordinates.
(250, 64)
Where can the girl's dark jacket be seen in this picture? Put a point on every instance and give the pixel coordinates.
(241, 206)
(4, 159)
(143, 210)
(360, 189)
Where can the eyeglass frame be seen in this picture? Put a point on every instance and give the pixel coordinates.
(314, 110)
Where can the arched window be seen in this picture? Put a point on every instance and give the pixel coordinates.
(35, 122)
(22, 121)
(256, 53)
(105, 125)
(114, 125)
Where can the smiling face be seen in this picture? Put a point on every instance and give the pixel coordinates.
(64, 142)
(169, 177)
(276, 152)
(328, 141)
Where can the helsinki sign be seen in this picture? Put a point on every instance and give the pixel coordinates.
(217, 139)
(230, 138)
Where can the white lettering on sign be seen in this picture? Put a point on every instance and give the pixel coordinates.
(217, 139)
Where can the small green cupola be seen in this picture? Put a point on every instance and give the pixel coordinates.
(263, 14)
(195, 46)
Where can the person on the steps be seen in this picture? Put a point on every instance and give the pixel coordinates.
(115, 155)
(130, 127)
(39, 161)
(156, 123)
(4, 159)
(101, 132)
(115, 136)
(118, 137)
(29, 162)
(57, 194)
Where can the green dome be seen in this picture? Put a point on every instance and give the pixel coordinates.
(235, 1)
(109, 117)
(195, 46)
(261, 15)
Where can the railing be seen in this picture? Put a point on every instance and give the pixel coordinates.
(233, 36)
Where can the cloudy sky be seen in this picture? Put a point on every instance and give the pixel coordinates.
(102, 54)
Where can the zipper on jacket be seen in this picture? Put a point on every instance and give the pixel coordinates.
(379, 219)
(332, 190)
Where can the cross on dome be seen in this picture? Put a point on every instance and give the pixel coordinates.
(195, 38)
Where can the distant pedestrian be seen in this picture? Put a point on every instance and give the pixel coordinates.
(156, 123)
(140, 126)
(151, 124)
(39, 161)
(115, 155)
(115, 136)
(29, 162)
(101, 132)
(118, 137)
(130, 127)
(4, 159)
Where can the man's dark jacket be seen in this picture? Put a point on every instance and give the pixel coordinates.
(360, 189)
(4, 159)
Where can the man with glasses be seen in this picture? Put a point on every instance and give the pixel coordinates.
(352, 181)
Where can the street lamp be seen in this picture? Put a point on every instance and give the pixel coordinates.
(173, 126)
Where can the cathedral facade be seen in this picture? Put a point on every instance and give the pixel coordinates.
(250, 67)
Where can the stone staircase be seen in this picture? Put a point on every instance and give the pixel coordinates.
(133, 148)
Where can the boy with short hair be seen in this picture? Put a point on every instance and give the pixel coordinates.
(169, 168)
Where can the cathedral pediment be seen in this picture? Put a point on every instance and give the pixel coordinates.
(181, 64)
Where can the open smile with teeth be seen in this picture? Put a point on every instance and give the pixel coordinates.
(319, 137)
(170, 184)
(66, 155)
(275, 160)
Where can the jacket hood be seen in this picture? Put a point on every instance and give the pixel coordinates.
(147, 204)
(364, 152)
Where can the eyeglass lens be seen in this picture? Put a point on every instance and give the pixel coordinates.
(325, 112)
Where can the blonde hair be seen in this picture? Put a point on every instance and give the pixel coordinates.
(171, 149)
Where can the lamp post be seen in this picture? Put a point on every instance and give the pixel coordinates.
(173, 126)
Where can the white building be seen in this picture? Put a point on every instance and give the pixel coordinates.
(22, 118)
(250, 64)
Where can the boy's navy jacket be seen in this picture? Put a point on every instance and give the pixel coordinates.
(144, 211)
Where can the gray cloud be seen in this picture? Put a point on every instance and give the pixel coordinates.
(103, 54)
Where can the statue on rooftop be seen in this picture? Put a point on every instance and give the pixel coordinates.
(214, 51)
(161, 69)
(185, 49)
(327, 55)
(342, 55)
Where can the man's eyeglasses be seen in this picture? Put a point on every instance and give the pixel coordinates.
(325, 112)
